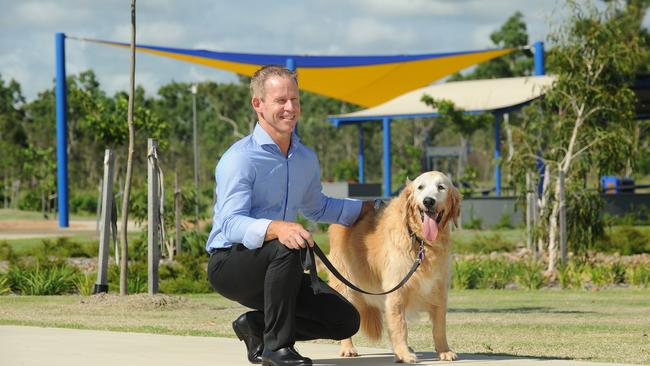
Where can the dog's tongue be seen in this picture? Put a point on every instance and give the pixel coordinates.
(430, 228)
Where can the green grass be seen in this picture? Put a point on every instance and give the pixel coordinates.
(12, 214)
(603, 326)
(23, 245)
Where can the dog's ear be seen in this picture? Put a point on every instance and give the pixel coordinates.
(452, 209)
(408, 182)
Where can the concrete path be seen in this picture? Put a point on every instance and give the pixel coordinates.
(33, 346)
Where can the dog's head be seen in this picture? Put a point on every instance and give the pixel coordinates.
(433, 201)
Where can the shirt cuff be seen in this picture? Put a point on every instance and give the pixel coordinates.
(254, 236)
(350, 212)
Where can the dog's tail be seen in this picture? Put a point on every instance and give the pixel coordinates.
(371, 322)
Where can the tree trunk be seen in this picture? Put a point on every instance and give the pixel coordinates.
(129, 164)
(553, 232)
(543, 209)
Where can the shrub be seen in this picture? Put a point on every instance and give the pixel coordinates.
(63, 248)
(4, 285)
(42, 278)
(184, 285)
(7, 253)
(465, 274)
(85, 283)
(84, 202)
(638, 275)
(495, 273)
(485, 244)
(625, 240)
(570, 275)
(530, 274)
(137, 278)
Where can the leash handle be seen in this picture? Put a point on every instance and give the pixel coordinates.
(309, 262)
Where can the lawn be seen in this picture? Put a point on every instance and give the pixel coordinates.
(608, 326)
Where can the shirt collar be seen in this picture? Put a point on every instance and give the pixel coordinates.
(263, 138)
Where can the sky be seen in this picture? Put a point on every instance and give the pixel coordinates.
(312, 27)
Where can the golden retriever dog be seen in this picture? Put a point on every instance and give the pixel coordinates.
(379, 250)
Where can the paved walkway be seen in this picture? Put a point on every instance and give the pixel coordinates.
(33, 346)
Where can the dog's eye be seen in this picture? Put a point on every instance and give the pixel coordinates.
(441, 187)
(420, 187)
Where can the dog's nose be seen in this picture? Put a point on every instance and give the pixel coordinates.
(429, 202)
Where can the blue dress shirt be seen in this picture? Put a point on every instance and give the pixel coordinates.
(256, 184)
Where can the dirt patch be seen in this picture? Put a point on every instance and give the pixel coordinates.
(135, 302)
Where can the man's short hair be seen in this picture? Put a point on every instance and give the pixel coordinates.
(260, 77)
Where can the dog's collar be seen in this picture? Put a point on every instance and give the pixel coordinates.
(414, 241)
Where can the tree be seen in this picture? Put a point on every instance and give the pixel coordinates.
(129, 165)
(581, 125)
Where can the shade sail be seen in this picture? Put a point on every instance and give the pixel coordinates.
(472, 96)
(363, 80)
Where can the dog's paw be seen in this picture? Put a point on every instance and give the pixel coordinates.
(348, 352)
(407, 357)
(447, 356)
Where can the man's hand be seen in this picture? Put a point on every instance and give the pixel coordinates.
(292, 235)
(367, 206)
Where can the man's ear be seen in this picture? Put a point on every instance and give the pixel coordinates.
(256, 102)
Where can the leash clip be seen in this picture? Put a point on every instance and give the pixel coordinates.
(421, 252)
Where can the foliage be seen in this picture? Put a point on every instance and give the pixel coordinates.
(625, 240)
(585, 226)
(85, 283)
(7, 252)
(484, 244)
(504, 222)
(530, 274)
(42, 277)
(5, 289)
(63, 247)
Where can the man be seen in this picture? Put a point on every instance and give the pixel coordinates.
(263, 181)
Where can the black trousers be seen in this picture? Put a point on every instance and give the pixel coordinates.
(270, 279)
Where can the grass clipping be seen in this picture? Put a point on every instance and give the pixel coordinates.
(135, 302)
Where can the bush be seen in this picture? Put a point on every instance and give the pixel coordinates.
(137, 278)
(495, 273)
(84, 202)
(485, 244)
(5, 289)
(7, 253)
(42, 278)
(625, 240)
(638, 275)
(530, 274)
(85, 283)
(64, 248)
(465, 274)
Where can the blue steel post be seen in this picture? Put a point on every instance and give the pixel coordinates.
(291, 64)
(539, 58)
(497, 154)
(61, 131)
(387, 175)
(539, 70)
(362, 178)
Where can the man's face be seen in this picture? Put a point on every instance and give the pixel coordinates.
(280, 107)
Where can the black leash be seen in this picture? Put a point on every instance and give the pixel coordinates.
(308, 262)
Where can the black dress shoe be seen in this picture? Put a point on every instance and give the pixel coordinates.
(287, 356)
(249, 328)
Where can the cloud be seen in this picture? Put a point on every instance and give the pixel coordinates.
(154, 33)
(49, 13)
(366, 32)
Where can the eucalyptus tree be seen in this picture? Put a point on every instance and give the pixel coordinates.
(581, 128)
